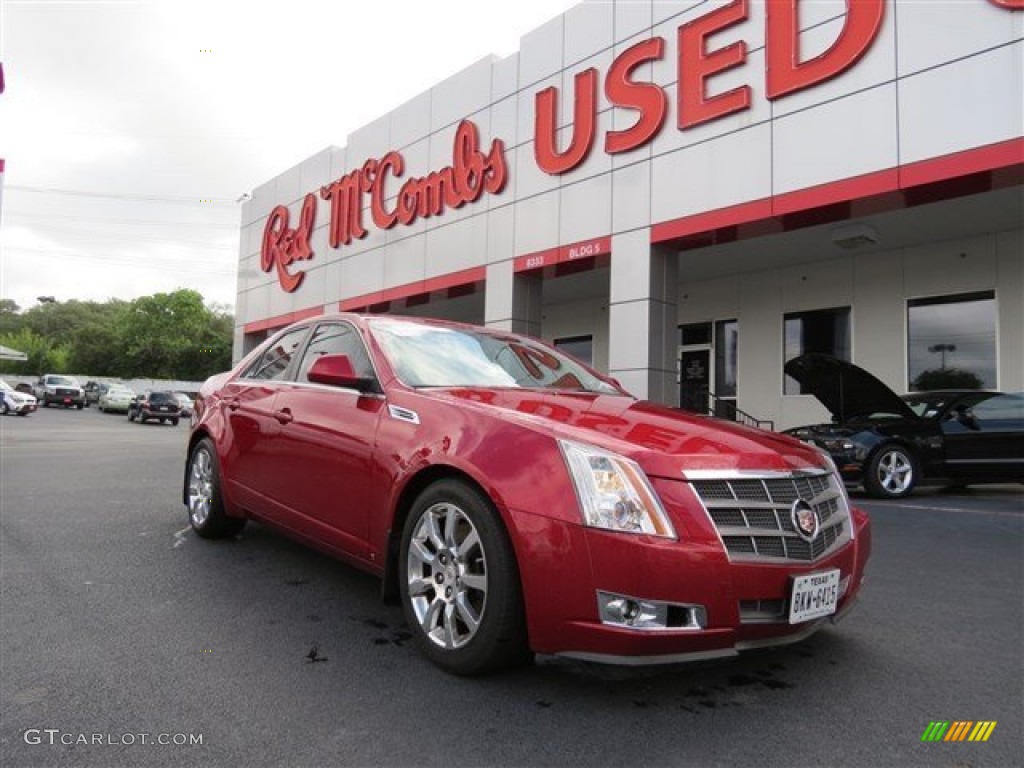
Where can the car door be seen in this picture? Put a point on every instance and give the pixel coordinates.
(984, 436)
(248, 412)
(323, 447)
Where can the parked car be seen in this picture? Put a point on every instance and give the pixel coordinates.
(13, 401)
(60, 390)
(889, 443)
(515, 501)
(26, 388)
(115, 399)
(161, 406)
(93, 390)
(186, 404)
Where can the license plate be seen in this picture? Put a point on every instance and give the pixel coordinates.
(163, 408)
(813, 596)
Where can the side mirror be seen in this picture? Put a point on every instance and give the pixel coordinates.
(337, 371)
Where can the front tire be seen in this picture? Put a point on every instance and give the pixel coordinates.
(4, 407)
(460, 586)
(892, 473)
(205, 503)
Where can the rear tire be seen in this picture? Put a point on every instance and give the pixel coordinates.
(892, 473)
(459, 581)
(206, 512)
(174, 422)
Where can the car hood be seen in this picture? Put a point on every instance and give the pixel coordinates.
(666, 442)
(846, 390)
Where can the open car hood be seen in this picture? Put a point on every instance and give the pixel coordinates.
(846, 390)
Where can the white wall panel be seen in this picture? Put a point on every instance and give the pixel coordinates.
(969, 103)
(586, 209)
(454, 247)
(631, 197)
(362, 274)
(817, 284)
(670, 9)
(536, 223)
(461, 95)
(503, 121)
(370, 141)
(954, 266)
(504, 77)
(404, 261)
(315, 173)
(731, 169)
(930, 34)
(529, 178)
(526, 111)
(589, 28)
(288, 186)
(411, 121)
(837, 140)
(632, 18)
(501, 234)
(540, 52)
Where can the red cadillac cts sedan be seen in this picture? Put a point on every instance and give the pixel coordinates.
(515, 501)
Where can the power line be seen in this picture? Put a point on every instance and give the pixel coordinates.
(9, 214)
(148, 263)
(152, 238)
(122, 197)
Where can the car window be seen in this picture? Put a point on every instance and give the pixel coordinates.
(337, 339)
(162, 397)
(273, 363)
(5, 386)
(1000, 408)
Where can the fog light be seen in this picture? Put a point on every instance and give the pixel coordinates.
(634, 613)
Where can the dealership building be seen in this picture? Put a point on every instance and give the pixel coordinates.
(689, 194)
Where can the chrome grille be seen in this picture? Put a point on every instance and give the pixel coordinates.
(752, 515)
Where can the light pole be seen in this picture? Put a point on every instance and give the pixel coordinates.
(44, 353)
(942, 349)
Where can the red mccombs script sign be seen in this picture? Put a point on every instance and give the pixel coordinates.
(471, 173)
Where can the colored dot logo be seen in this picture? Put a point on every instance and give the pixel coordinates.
(958, 730)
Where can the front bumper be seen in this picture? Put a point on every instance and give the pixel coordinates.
(22, 409)
(745, 604)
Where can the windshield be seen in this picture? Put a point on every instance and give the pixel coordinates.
(5, 386)
(119, 391)
(438, 356)
(62, 381)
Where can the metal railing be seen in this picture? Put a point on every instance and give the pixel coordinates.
(725, 408)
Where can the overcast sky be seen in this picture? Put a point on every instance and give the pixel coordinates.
(130, 129)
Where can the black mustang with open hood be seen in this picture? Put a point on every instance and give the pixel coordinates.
(889, 443)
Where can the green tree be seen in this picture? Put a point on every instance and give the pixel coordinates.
(167, 335)
(43, 355)
(10, 317)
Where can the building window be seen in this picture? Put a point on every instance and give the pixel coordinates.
(580, 347)
(726, 349)
(951, 342)
(824, 331)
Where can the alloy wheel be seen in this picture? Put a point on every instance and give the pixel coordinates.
(447, 576)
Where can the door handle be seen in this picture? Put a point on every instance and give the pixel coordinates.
(284, 415)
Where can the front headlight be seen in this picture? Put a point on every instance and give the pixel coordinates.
(614, 492)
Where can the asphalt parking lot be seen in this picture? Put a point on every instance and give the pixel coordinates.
(117, 622)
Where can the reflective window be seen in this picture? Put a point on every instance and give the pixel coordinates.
(337, 339)
(273, 363)
(726, 351)
(824, 331)
(951, 342)
(580, 347)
